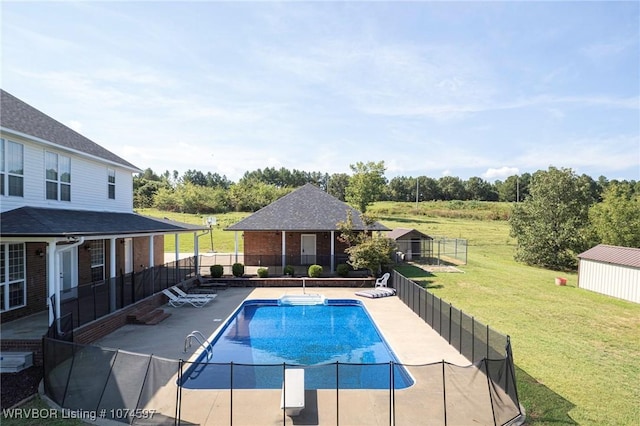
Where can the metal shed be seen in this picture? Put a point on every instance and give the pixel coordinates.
(611, 270)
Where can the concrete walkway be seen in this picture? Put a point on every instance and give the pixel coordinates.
(413, 341)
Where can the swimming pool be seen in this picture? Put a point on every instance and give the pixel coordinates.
(336, 342)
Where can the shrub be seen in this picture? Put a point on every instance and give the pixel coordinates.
(237, 269)
(288, 270)
(263, 272)
(315, 271)
(216, 271)
(343, 269)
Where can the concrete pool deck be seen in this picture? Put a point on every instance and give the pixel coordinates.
(411, 339)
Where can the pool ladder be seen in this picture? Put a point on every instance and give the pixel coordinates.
(202, 341)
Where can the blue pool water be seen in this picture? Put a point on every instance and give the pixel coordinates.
(336, 343)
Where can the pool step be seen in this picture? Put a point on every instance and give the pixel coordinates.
(302, 299)
(12, 362)
(148, 318)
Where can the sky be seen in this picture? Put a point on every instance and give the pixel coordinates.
(466, 89)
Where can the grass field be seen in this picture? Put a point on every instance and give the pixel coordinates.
(577, 353)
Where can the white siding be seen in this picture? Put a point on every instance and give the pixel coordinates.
(622, 282)
(89, 187)
(88, 183)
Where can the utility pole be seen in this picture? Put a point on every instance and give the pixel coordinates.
(417, 192)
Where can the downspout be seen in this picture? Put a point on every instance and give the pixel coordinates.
(52, 273)
(78, 241)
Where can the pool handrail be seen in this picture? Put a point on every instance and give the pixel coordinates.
(202, 341)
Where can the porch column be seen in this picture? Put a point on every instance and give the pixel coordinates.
(284, 250)
(236, 244)
(112, 275)
(151, 257)
(333, 251)
(177, 244)
(152, 264)
(52, 281)
(196, 250)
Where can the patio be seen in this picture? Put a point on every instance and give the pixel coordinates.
(413, 341)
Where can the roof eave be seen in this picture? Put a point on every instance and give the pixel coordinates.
(130, 167)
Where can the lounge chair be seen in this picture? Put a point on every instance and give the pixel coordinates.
(177, 301)
(181, 293)
(382, 281)
(375, 293)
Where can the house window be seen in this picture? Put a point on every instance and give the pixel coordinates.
(13, 291)
(11, 168)
(58, 177)
(111, 183)
(97, 260)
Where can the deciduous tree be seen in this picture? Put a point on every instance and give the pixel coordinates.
(550, 225)
(366, 185)
(366, 251)
(616, 220)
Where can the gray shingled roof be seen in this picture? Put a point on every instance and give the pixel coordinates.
(308, 208)
(625, 256)
(400, 233)
(23, 118)
(44, 222)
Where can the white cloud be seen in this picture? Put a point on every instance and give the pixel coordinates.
(500, 173)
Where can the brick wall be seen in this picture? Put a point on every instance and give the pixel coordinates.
(290, 282)
(36, 275)
(96, 330)
(270, 243)
(262, 243)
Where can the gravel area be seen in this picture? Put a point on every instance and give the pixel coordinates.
(17, 386)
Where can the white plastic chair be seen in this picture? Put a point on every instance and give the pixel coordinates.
(382, 281)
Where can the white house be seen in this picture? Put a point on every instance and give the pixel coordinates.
(611, 270)
(66, 216)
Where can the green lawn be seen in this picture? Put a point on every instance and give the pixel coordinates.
(222, 241)
(577, 353)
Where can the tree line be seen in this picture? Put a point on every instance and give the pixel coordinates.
(198, 192)
(557, 213)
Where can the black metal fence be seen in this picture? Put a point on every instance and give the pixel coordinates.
(91, 301)
(144, 389)
(470, 337)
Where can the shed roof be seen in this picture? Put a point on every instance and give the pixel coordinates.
(46, 222)
(404, 233)
(24, 119)
(307, 208)
(625, 256)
